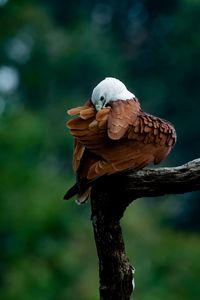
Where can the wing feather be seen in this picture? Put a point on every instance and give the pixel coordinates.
(87, 113)
(103, 113)
(76, 110)
(150, 129)
(78, 154)
(122, 114)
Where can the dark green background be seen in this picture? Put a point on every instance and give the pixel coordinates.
(52, 54)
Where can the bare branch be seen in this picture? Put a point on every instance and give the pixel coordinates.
(161, 181)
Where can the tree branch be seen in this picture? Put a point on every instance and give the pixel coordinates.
(109, 198)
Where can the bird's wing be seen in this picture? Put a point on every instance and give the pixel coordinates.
(90, 125)
(157, 134)
(116, 119)
(122, 115)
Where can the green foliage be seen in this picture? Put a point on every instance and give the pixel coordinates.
(52, 54)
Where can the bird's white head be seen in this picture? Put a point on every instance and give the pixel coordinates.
(109, 89)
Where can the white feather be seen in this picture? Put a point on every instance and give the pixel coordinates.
(110, 89)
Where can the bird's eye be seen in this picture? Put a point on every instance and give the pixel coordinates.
(102, 98)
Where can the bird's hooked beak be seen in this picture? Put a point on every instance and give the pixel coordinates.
(98, 105)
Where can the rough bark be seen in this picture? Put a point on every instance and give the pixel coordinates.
(115, 273)
(109, 198)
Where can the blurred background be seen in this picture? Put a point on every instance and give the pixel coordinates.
(52, 54)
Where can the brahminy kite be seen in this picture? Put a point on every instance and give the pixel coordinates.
(112, 134)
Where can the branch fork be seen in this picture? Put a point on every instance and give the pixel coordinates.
(110, 197)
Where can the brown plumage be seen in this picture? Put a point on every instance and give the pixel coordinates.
(120, 136)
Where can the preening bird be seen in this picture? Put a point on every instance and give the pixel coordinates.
(112, 134)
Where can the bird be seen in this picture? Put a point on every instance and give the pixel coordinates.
(113, 134)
